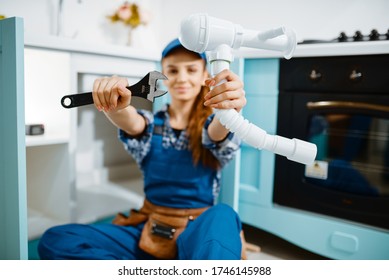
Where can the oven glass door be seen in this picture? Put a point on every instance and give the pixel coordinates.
(350, 177)
(353, 147)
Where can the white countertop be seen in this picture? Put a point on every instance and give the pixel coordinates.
(323, 49)
(72, 45)
(305, 50)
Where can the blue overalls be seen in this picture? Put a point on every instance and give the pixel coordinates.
(170, 180)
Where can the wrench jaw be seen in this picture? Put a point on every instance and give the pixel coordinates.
(157, 93)
(154, 76)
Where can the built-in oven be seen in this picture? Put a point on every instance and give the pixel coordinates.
(342, 105)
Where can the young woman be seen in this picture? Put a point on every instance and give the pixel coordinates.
(180, 150)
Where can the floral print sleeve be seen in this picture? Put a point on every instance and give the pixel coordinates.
(138, 147)
(225, 150)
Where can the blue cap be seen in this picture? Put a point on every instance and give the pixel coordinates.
(177, 44)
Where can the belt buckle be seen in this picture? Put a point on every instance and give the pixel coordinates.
(163, 230)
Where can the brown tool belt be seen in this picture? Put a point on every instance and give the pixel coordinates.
(163, 226)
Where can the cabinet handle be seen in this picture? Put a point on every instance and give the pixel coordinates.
(315, 75)
(320, 105)
(355, 76)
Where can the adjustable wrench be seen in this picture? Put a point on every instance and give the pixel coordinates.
(145, 88)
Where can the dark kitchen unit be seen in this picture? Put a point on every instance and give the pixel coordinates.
(342, 105)
(334, 93)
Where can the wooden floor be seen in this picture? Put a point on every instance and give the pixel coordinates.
(273, 247)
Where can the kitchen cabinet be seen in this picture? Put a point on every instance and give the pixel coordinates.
(13, 212)
(107, 178)
(47, 78)
(78, 171)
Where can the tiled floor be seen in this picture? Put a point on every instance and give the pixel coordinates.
(273, 247)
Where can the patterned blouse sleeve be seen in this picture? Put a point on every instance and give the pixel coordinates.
(138, 147)
(224, 150)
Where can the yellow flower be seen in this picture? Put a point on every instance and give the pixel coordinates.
(129, 14)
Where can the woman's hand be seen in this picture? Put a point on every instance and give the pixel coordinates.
(110, 94)
(228, 95)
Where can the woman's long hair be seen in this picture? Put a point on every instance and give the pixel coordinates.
(197, 118)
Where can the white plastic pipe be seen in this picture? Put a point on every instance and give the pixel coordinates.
(201, 33)
(293, 149)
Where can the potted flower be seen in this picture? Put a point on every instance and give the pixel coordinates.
(131, 15)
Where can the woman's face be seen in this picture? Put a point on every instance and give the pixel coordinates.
(186, 74)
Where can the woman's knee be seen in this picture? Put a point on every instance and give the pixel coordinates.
(56, 240)
(223, 212)
(215, 234)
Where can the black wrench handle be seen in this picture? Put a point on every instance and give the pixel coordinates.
(77, 100)
(86, 98)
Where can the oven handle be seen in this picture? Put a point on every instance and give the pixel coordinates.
(320, 105)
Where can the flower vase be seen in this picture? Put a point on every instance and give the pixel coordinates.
(129, 37)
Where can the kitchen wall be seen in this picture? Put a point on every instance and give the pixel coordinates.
(82, 20)
(85, 20)
(310, 18)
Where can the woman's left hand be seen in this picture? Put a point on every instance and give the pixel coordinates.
(228, 95)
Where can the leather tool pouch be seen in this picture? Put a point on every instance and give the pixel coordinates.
(160, 233)
(162, 228)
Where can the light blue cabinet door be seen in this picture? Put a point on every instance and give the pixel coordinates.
(229, 193)
(257, 168)
(13, 201)
(249, 177)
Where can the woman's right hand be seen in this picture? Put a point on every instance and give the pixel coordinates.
(110, 94)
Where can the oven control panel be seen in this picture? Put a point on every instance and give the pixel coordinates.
(357, 74)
